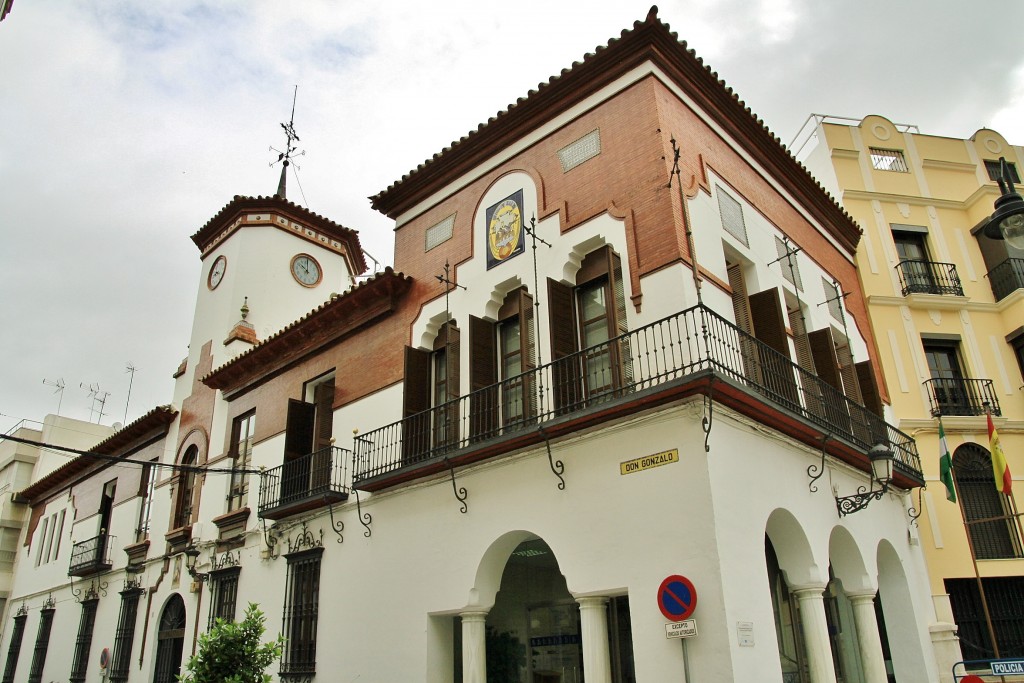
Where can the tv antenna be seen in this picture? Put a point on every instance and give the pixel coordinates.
(285, 157)
(129, 368)
(58, 389)
(98, 397)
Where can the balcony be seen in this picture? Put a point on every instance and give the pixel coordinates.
(305, 483)
(692, 352)
(929, 277)
(91, 556)
(961, 396)
(1006, 278)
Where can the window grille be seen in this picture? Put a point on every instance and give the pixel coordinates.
(994, 539)
(1005, 598)
(80, 662)
(224, 594)
(301, 611)
(124, 636)
(439, 233)
(995, 172)
(732, 216)
(35, 674)
(888, 160)
(584, 149)
(146, 509)
(14, 649)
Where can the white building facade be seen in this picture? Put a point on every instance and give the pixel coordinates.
(572, 415)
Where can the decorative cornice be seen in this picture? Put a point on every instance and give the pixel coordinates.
(649, 42)
(285, 215)
(122, 443)
(957, 166)
(327, 324)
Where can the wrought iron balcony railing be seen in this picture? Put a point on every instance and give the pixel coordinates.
(1006, 278)
(91, 556)
(961, 396)
(929, 277)
(676, 349)
(304, 483)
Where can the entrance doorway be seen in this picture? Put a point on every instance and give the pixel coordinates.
(533, 630)
(170, 641)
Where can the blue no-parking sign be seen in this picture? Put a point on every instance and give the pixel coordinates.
(677, 598)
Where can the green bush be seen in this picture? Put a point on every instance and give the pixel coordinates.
(232, 653)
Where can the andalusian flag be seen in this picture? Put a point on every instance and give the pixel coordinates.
(946, 465)
(999, 467)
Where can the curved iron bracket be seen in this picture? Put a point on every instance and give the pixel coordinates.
(815, 471)
(847, 505)
(270, 540)
(364, 517)
(709, 413)
(336, 526)
(557, 466)
(460, 491)
(915, 512)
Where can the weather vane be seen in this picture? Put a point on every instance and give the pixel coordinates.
(285, 157)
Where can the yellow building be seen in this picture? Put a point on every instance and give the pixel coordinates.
(947, 306)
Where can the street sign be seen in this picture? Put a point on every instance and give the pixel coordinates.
(677, 598)
(649, 461)
(682, 629)
(1007, 666)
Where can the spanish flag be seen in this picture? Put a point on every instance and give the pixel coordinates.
(946, 465)
(999, 467)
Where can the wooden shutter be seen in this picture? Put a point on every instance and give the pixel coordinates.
(869, 387)
(416, 400)
(565, 368)
(849, 374)
(741, 312)
(770, 329)
(323, 399)
(483, 378)
(298, 438)
(805, 359)
(823, 349)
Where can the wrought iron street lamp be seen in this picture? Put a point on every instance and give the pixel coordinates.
(1007, 222)
(881, 472)
(191, 556)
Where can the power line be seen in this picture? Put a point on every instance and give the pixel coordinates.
(121, 460)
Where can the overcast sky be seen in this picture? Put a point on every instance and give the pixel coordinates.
(126, 124)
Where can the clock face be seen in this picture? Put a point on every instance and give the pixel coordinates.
(217, 272)
(306, 270)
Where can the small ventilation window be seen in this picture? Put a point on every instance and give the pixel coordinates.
(789, 263)
(995, 172)
(732, 216)
(442, 232)
(575, 153)
(833, 299)
(888, 160)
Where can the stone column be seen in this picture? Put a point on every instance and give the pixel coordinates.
(474, 647)
(812, 615)
(868, 639)
(594, 633)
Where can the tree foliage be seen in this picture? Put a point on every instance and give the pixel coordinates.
(232, 653)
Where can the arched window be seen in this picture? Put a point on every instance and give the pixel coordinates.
(996, 538)
(186, 489)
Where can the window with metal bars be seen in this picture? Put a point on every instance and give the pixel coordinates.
(186, 489)
(124, 636)
(888, 160)
(301, 611)
(80, 661)
(146, 506)
(14, 649)
(989, 514)
(35, 673)
(224, 594)
(992, 167)
(1005, 599)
